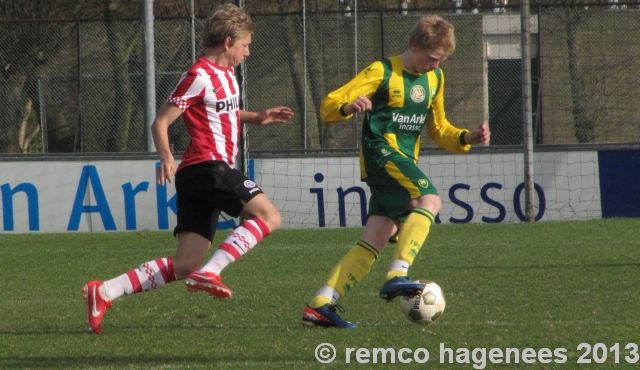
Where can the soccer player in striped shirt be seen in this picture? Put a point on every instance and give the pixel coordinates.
(399, 97)
(206, 181)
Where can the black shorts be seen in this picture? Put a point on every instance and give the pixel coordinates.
(205, 189)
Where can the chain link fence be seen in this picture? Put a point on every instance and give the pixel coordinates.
(78, 86)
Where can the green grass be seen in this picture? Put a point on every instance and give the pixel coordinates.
(543, 285)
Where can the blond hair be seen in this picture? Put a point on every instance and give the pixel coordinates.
(227, 21)
(432, 32)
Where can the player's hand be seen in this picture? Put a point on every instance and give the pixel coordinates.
(360, 105)
(276, 114)
(479, 135)
(166, 170)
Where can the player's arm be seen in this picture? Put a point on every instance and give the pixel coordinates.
(354, 96)
(168, 113)
(441, 131)
(271, 115)
(189, 91)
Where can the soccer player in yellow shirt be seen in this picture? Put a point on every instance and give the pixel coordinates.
(399, 97)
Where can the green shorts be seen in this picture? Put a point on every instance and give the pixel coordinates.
(394, 187)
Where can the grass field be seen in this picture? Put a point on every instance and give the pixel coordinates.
(545, 285)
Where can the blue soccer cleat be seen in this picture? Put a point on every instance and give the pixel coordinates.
(325, 316)
(400, 286)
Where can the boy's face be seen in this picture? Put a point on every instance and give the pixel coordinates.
(426, 60)
(237, 52)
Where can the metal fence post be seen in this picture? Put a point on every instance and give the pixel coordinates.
(526, 110)
(149, 73)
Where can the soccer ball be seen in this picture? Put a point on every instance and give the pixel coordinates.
(426, 307)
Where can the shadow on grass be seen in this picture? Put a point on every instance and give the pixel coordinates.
(138, 361)
(563, 266)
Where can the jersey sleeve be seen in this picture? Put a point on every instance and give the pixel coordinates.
(190, 89)
(440, 130)
(364, 84)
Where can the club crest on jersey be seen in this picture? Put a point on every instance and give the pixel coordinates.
(423, 183)
(417, 94)
(249, 184)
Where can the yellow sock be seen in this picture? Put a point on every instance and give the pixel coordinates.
(412, 235)
(352, 268)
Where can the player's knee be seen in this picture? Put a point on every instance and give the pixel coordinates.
(273, 220)
(260, 207)
(271, 217)
(435, 205)
(430, 202)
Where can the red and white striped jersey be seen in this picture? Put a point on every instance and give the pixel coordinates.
(209, 98)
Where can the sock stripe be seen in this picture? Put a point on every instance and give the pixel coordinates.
(166, 269)
(135, 282)
(245, 237)
(368, 247)
(170, 275)
(264, 229)
(254, 229)
(426, 213)
(162, 268)
(233, 252)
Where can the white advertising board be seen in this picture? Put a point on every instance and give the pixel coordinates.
(327, 192)
(122, 195)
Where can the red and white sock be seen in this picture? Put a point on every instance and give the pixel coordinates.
(148, 276)
(238, 243)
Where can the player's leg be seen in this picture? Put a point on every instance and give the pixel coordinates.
(194, 231)
(350, 270)
(200, 190)
(207, 281)
(239, 242)
(151, 275)
(260, 219)
(260, 207)
(413, 233)
(354, 265)
(414, 191)
(411, 237)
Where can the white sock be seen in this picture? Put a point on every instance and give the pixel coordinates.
(330, 293)
(237, 244)
(399, 265)
(148, 276)
(218, 262)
